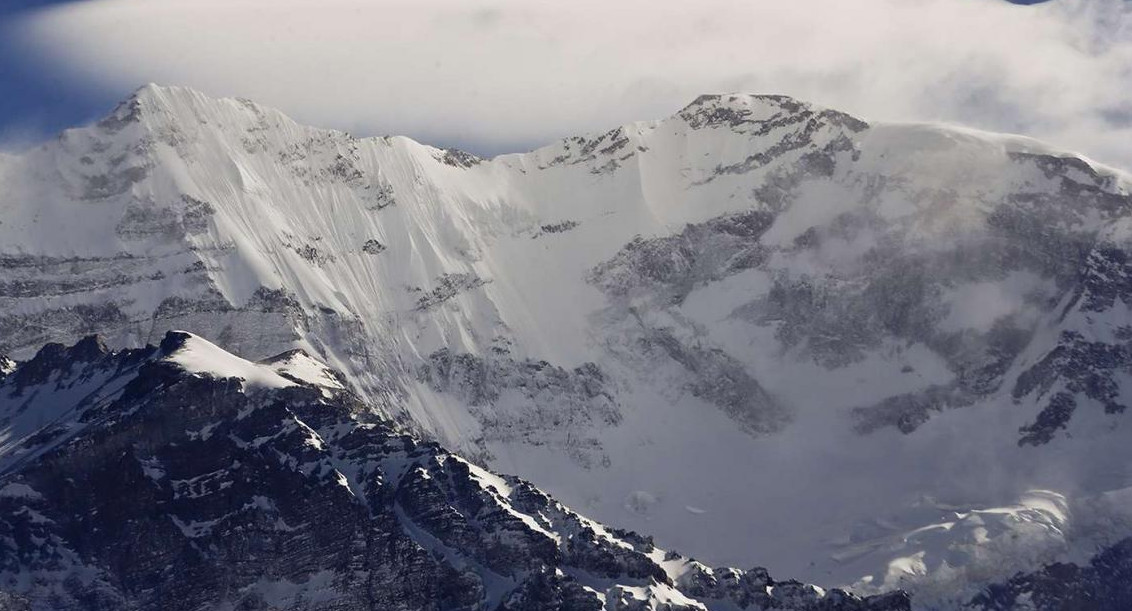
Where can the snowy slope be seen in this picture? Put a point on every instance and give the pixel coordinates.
(718, 328)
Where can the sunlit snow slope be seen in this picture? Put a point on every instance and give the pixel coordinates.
(763, 331)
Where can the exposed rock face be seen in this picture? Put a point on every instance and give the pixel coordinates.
(181, 477)
(883, 287)
(1105, 584)
(521, 400)
(655, 274)
(446, 287)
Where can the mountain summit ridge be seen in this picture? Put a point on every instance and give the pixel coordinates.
(159, 99)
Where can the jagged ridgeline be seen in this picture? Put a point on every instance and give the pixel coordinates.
(719, 327)
(183, 477)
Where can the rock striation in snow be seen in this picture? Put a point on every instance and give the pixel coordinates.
(181, 477)
(720, 327)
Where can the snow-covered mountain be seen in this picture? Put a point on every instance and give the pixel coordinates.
(181, 477)
(764, 332)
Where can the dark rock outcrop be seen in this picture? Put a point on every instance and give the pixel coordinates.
(1104, 584)
(181, 477)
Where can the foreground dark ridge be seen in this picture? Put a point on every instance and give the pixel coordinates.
(181, 477)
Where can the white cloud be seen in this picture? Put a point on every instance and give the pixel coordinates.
(504, 74)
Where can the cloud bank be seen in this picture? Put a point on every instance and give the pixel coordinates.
(503, 75)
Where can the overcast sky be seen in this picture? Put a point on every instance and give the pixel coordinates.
(505, 75)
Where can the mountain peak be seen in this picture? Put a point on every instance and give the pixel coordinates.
(174, 341)
(198, 355)
(740, 99)
(760, 111)
(143, 101)
(156, 105)
(53, 357)
(153, 92)
(153, 96)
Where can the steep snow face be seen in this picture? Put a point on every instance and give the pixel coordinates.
(719, 327)
(219, 485)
